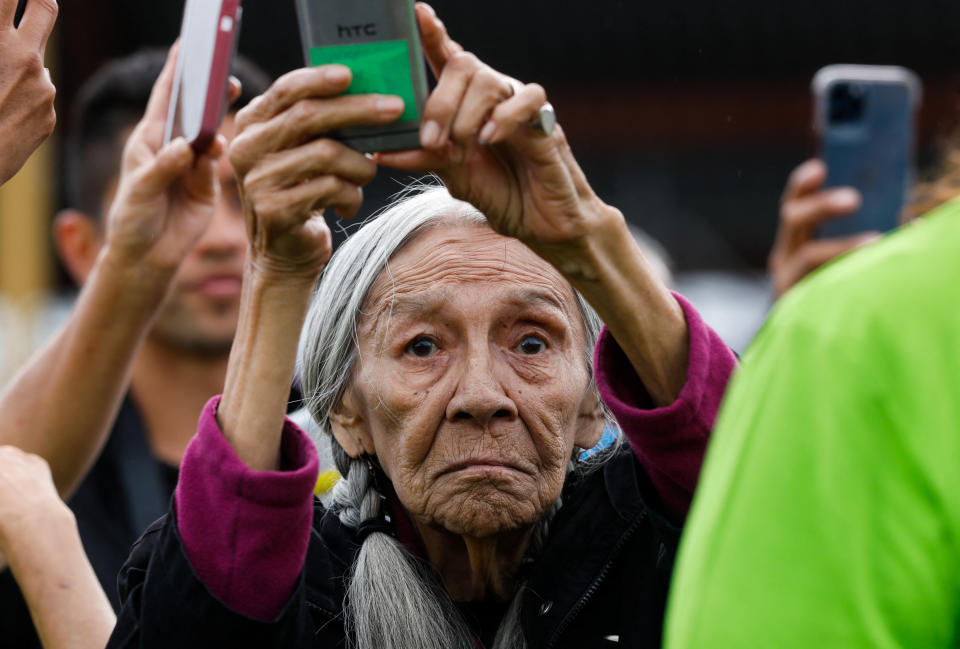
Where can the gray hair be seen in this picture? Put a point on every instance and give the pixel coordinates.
(393, 601)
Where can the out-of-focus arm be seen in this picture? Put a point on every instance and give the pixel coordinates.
(39, 539)
(62, 404)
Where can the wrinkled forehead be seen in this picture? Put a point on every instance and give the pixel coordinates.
(454, 260)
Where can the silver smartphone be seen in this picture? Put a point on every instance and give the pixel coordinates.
(865, 116)
(380, 43)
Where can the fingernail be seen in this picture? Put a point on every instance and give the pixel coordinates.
(181, 148)
(336, 74)
(430, 134)
(845, 198)
(487, 132)
(389, 104)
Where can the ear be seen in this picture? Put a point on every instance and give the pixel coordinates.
(350, 427)
(590, 421)
(78, 240)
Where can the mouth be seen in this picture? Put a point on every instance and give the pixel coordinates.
(483, 465)
(220, 287)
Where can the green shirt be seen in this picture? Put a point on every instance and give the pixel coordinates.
(828, 511)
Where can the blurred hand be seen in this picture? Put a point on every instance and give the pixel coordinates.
(28, 498)
(476, 136)
(804, 207)
(289, 172)
(27, 116)
(167, 195)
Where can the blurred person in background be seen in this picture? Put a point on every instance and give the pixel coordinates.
(27, 115)
(449, 354)
(828, 513)
(40, 544)
(806, 206)
(159, 257)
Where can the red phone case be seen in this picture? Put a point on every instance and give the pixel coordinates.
(202, 73)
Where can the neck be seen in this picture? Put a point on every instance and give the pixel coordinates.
(170, 387)
(473, 569)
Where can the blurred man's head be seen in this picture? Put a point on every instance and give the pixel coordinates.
(200, 315)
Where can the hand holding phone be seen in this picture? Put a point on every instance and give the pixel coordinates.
(865, 121)
(378, 40)
(198, 100)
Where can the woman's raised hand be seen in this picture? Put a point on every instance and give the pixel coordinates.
(289, 172)
(477, 135)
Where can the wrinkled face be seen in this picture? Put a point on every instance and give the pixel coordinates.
(472, 385)
(201, 312)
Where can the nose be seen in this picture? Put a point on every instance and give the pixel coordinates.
(480, 395)
(226, 236)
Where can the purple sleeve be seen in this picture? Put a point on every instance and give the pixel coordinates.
(669, 442)
(246, 532)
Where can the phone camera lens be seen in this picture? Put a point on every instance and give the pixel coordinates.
(847, 102)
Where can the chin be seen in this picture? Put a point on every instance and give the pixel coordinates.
(485, 510)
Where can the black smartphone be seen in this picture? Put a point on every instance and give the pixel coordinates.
(380, 43)
(208, 41)
(865, 122)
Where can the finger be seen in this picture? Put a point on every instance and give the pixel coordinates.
(319, 157)
(517, 112)
(218, 147)
(438, 47)
(486, 91)
(299, 203)
(171, 163)
(348, 212)
(308, 119)
(160, 95)
(415, 160)
(800, 217)
(37, 22)
(817, 253)
(322, 81)
(805, 179)
(816, 209)
(446, 99)
(234, 89)
(199, 180)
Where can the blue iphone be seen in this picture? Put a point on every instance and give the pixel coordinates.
(865, 122)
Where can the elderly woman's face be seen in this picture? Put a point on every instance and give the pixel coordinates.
(472, 386)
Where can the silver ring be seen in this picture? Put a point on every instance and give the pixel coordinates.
(546, 119)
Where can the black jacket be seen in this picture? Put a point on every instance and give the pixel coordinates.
(600, 581)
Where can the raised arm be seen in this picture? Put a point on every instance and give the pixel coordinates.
(477, 136)
(39, 539)
(62, 404)
(289, 173)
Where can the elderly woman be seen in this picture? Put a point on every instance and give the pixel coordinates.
(449, 352)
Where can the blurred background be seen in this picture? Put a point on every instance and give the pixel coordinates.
(686, 115)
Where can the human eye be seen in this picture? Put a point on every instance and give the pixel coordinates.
(421, 347)
(531, 345)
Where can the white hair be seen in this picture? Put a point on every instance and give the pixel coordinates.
(393, 600)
